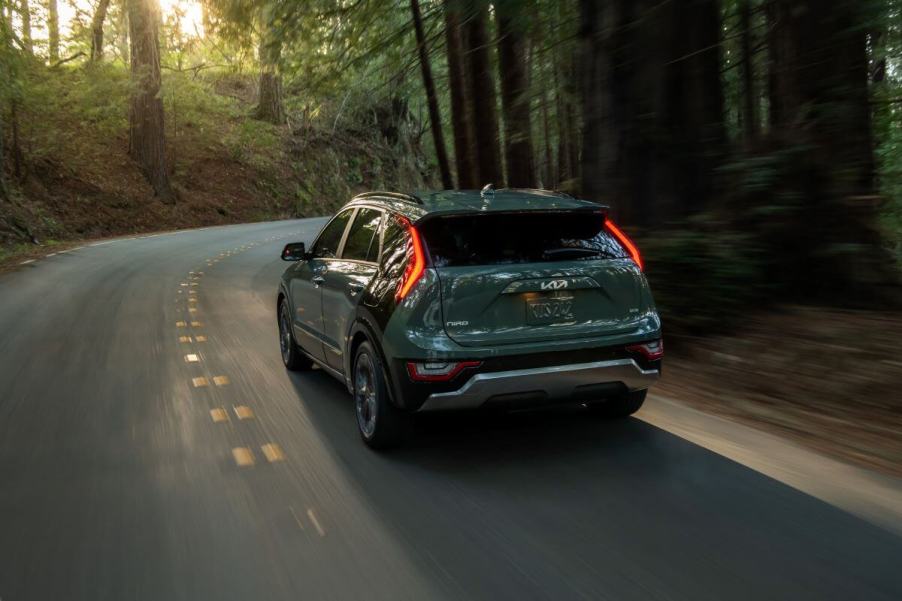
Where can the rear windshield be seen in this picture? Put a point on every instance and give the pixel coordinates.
(502, 238)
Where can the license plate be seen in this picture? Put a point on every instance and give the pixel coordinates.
(549, 310)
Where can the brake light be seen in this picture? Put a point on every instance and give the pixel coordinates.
(652, 351)
(437, 372)
(416, 265)
(625, 241)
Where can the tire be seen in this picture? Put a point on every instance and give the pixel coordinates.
(292, 355)
(620, 406)
(380, 423)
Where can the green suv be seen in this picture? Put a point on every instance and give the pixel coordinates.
(464, 299)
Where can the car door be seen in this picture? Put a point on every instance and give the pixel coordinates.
(346, 279)
(306, 285)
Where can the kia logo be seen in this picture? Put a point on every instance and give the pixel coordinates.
(554, 284)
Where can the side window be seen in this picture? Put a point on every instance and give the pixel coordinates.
(394, 246)
(362, 236)
(329, 239)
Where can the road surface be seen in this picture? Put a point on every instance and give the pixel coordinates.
(153, 447)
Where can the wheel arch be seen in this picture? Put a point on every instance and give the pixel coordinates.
(364, 331)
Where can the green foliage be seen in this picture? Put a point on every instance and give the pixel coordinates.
(704, 275)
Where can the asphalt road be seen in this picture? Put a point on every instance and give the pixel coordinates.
(130, 470)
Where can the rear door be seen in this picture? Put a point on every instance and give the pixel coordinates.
(510, 278)
(346, 279)
(306, 285)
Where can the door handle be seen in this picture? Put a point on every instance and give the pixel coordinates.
(354, 288)
(318, 280)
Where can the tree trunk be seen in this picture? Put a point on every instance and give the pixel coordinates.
(122, 37)
(25, 15)
(97, 29)
(820, 98)
(653, 132)
(750, 118)
(515, 100)
(4, 194)
(435, 118)
(147, 143)
(464, 150)
(270, 107)
(53, 31)
(482, 94)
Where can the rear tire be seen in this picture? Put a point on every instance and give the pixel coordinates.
(380, 423)
(619, 406)
(292, 355)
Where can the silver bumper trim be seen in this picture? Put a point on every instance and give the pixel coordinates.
(558, 382)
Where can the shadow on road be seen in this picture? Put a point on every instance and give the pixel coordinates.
(574, 505)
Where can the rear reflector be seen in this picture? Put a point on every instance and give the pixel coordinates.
(650, 350)
(625, 241)
(437, 372)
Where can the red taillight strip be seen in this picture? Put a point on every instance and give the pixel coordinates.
(625, 241)
(414, 375)
(415, 267)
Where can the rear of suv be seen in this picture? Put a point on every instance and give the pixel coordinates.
(461, 299)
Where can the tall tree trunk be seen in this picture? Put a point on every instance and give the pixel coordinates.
(461, 111)
(435, 118)
(53, 30)
(97, 29)
(515, 100)
(25, 16)
(122, 31)
(270, 107)
(482, 95)
(147, 143)
(820, 98)
(653, 133)
(750, 118)
(4, 193)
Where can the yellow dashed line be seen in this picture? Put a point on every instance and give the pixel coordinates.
(196, 324)
(244, 412)
(192, 358)
(221, 380)
(200, 382)
(273, 452)
(200, 338)
(192, 309)
(244, 457)
(316, 524)
(184, 338)
(180, 324)
(219, 415)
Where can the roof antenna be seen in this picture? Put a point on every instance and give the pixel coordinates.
(488, 191)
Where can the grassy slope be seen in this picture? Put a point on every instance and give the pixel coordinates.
(227, 167)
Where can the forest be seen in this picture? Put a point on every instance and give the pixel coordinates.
(754, 147)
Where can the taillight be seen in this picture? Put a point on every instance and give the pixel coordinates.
(652, 351)
(437, 372)
(625, 241)
(416, 265)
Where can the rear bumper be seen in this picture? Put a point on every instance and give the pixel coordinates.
(539, 385)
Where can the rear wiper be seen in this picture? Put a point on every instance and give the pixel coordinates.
(558, 252)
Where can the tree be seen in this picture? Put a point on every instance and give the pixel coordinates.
(435, 118)
(53, 30)
(750, 117)
(653, 133)
(515, 97)
(97, 21)
(147, 144)
(461, 111)
(484, 114)
(821, 120)
(270, 106)
(25, 16)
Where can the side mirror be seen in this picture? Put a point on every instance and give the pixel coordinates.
(294, 251)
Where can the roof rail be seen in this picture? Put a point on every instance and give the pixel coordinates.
(555, 193)
(411, 198)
